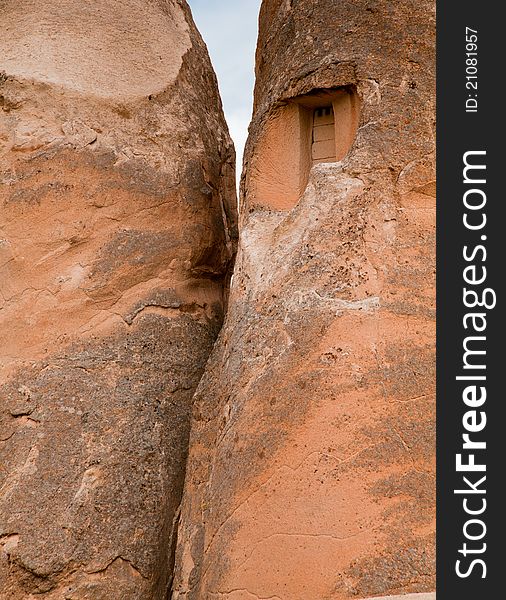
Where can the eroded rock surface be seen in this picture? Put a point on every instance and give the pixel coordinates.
(117, 229)
(311, 470)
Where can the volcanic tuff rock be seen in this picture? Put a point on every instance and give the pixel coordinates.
(311, 467)
(117, 230)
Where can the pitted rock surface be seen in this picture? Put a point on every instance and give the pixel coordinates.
(311, 472)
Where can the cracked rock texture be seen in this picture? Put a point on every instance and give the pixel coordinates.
(311, 470)
(117, 231)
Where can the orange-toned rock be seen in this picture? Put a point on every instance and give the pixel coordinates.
(311, 468)
(117, 230)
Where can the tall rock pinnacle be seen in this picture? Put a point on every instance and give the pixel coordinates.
(311, 469)
(117, 229)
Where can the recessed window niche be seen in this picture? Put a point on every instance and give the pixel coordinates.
(317, 128)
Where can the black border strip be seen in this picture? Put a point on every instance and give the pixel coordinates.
(461, 131)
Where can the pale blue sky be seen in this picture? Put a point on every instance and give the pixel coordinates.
(229, 28)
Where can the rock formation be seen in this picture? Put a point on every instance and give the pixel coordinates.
(117, 230)
(311, 466)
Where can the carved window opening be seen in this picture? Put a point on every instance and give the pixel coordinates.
(323, 142)
(305, 131)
